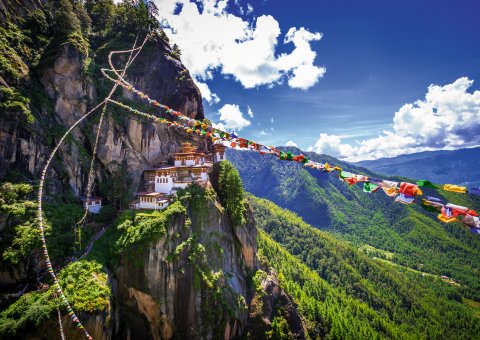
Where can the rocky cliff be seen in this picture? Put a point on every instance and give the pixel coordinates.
(72, 93)
(191, 278)
(193, 282)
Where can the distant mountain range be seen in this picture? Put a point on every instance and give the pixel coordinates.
(456, 167)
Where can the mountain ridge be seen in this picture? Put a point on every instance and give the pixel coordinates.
(461, 166)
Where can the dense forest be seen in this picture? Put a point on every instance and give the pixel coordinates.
(344, 293)
(409, 236)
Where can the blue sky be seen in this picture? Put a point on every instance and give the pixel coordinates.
(347, 78)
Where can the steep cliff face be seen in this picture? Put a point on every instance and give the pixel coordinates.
(193, 282)
(72, 92)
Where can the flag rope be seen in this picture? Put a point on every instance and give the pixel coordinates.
(41, 226)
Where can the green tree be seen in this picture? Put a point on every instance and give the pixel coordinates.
(65, 20)
(230, 189)
(17, 222)
(102, 14)
(177, 53)
(116, 187)
(136, 17)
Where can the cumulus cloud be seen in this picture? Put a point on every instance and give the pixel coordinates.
(331, 145)
(448, 118)
(232, 118)
(207, 94)
(291, 143)
(242, 48)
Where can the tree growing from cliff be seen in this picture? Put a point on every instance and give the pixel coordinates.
(71, 24)
(229, 186)
(138, 16)
(102, 14)
(115, 188)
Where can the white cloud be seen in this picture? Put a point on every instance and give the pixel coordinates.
(448, 118)
(331, 145)
(207, 94)
(250, 112)
(310, 148)
(272, 120)
(243, 49)
(291, 143)
(265, 132)
(232, 118)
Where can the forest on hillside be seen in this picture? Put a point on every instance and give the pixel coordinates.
(344, 293)
(410, 236)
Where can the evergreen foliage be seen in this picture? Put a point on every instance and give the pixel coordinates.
(415, 237)
(344, 294)
(102, 13)
(228, 184)
(19, 232)
(116, 187)
(145, 227)
(12, 102)
(84, 285)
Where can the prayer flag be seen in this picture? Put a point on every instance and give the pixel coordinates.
(455, 188)
(370, 187)
(405, 199)
(447, 219)
(389, 187)
(409, 189)
(425, 183)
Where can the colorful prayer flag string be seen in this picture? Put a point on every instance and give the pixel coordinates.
(404, 192)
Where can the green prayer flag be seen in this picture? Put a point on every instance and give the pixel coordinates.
(369, 187)
(289, 156)
(425, 183)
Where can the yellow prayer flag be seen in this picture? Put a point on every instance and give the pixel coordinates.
(390, 191)
(447, 219)
(455, 188)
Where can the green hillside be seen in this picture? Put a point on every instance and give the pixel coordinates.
(413, 236)
(345, 294)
